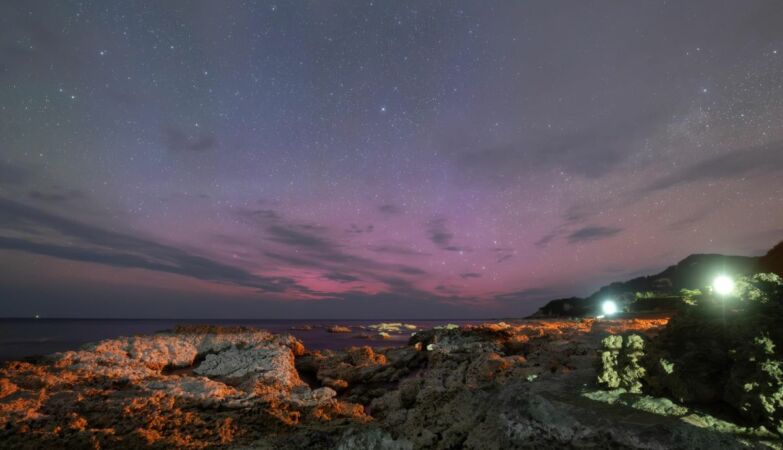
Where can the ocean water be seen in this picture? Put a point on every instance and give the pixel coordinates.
(20, 338)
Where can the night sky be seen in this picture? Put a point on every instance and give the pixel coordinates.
(395, 159)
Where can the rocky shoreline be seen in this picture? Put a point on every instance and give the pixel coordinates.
(530, 384)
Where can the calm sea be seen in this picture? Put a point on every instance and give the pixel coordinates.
(20, 338)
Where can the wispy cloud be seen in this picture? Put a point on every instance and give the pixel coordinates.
(441, 236)
(592, 151)
(547, 239)
(735, 164)
(316, 247)
(296, 236)
(60, 237)
(359, 229)
(592, 233)
(341, 277)
(691, 219)
(467, 275)
(56, 195)
(396, 250)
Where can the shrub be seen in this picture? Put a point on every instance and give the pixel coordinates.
(713, 350)
(621, 363)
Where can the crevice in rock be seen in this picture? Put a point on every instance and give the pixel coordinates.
(308, 374)
(200, 358)
(171, 369)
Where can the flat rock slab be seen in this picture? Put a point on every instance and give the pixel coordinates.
(271, 363)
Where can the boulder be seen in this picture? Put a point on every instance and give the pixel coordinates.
(338, 329)
(270, 364)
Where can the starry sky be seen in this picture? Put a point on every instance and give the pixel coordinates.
(381, 159)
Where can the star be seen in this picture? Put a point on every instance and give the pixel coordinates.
(257, 126)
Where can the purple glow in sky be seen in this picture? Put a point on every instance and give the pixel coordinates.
(377, 159)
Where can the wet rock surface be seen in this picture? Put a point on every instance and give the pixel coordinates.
(499, 385)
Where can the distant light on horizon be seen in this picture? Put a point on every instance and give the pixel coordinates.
(723, 285)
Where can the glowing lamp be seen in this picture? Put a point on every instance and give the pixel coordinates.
(723, 285)
(609, 307)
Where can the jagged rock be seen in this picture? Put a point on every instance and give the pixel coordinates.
(448, 326)
(471, 391)
(127, 392)
(394, 327)
(272, 365)
(200, 389)
(7, 388)
(338, 329)
(353, 365)
(338, 384)
(142, 356)
(305, 396)
(371, 439)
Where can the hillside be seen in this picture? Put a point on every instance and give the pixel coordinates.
(662, 290)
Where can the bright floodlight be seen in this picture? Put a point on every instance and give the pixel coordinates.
(723, 285)
(609, 307)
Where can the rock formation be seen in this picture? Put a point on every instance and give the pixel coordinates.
(190, 388)
(521, 385)
(338, 329)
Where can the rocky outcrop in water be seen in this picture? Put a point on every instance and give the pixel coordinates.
(338, 329)
(190, 388)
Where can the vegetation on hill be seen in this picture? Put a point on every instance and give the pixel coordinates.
(717, 350)
(660, 293)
